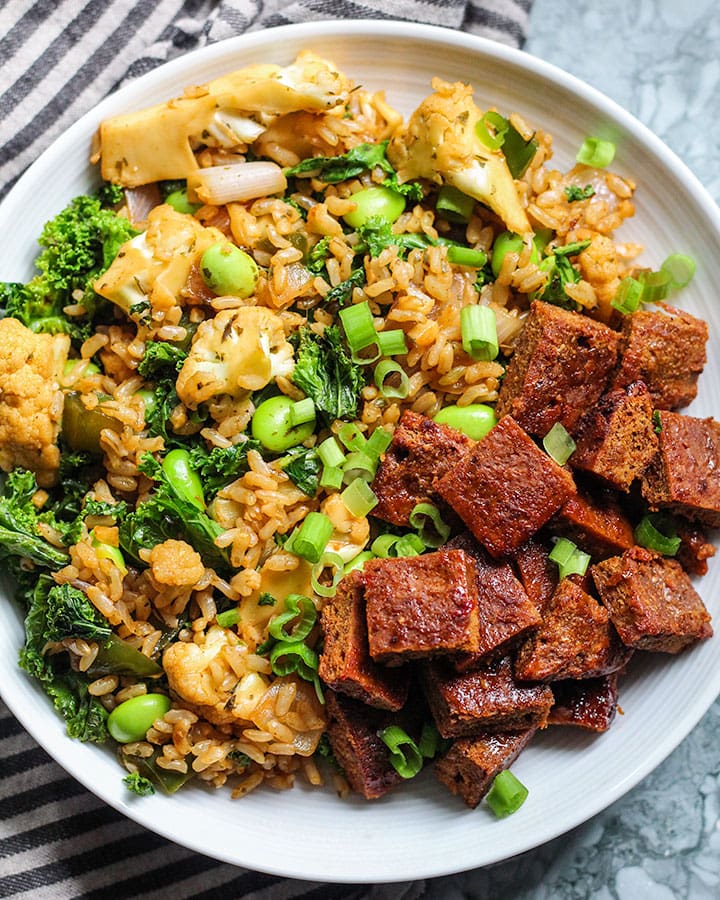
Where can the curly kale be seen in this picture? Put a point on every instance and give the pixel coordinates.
(161, 360)
(19, 533)
(221, 465)
(69, 614)
(138, 784)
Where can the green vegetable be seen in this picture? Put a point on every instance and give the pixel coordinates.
(596, 152)
(375, 202)
(509, 242)
(69, 614)
(333, 169)
(561, 272)
(81, 427)
(569, 558)
(288, 657)
(161, 360)
(518, 151)
(228, 618)
(138, 784)
(303, 466)
(226, 269)
(357, 562)
(19, 535)
(342, 292)
(117, 657)
(474, 420)
(177, 466)
(221, 465)
(108, 551)
(628, 296)
(506, 795)
(299, 610)
(680, 268)
(405, 756)
(494, 137)
(453, 205)
(359, 497)
(180, 203)
(165, 515)
(328, 562)
(311, 538)
(656, 531)
(272, 426)
(558, 444)
(325, 372)
(430, 525)
(130, 720)
(391, 379)
(574, 192)
(478, 328)
(166, 779)
(78, 246)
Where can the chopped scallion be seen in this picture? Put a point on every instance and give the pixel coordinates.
(453, 205)
(330, 453)
(351, 436)
(311, 538)
(359, 327)
(288, 657)
(558, 444)
(357, 562)
(298, 609)
(506, 795)
(302, 411)
(409, 545)
(378, 442)
(359, 498)
(478, 328)
(331, 478)
(628, 296)
(657, 532)
(392, 343)
(494, 136)
(228, 618)
(391, 380)
(596, 152)
(405, 757)
(383, 545)
(335, 563)
(656, 286)
(429, 740)
(359, 464)
(466, 256)
(569, 558)
(680, 269)
(430, 525)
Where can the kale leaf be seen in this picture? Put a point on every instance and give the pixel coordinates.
(19, 534)
(348, 165)
(221, 465)
(161, 360)
(342, 292)
(69, 614)
(561, 272)
(303, 466)
(138, 784)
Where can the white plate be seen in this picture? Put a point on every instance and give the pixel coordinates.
(420, 830)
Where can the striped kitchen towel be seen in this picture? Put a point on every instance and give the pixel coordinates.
(59, 58)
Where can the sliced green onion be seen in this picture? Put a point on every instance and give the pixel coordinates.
(384, 544)
(405, 757)
(302, 411)
(351, 436)
(331, 477)
(311, 538)
(387, 546)
(330, 453)
(680, 268)
(367, 356)
(409, 545)
(506, 795)
(656, 286)
(434, 536)
(307, 616)
(357, 562)
(392, 343)
(466, 256)
(391, 380)
(228, 618)
(358, 323)
(478, 328)
(494, 139)
(453, 205)
(628, 296)
(657, 532)
(359, 465)
(288, 657)
(569, 558)
(359, 498)
(429, 740)
(596, 152)
(518, 151)
(558, 444)
(378, 442)
(328, 560)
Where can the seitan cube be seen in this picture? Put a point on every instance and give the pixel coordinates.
(505, 611)
(595, 523)
(665, 348)
(561, 364)
(695, 549)
(651, 601)
(421, 606)
(685, 474)
(470, 766)
(538, 573)
(616, 439)
(575, 640)
(506, 488)
(345, 662)
(589, 704)
(486, 699)
(420, 452)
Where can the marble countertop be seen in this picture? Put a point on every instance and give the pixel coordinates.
(662, 840)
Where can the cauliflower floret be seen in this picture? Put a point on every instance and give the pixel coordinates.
(440, 144)
(31, 401)
(176, 564)
(154, 266)
(157, 143)
(237, 351)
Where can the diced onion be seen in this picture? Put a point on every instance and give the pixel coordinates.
(238, 182)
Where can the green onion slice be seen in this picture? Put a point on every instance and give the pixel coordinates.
(358, 562)
(596, 152)
(228, 618)
(506, 795)
(359, 465)
(453, 205)
(302, 411)
(311, 538)
(657, 532)
(328, 560)
(628, 296)
(384, 544)
(569, 558)
(392, 343)
(494, 139)
(298, 609)
(288, 657)
(558, 444)
(391, 380)
(429, 742)
(359, 497)
(466, 256)
(378, 442)
(680, 269)
(351, 436)
(409, 545)
(656, 286)
(478, 328)
(331, 477)
(330, 453)
(433, 535)
(358, 323)
(405, 757)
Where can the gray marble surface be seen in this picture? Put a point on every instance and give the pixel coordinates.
(662, 840)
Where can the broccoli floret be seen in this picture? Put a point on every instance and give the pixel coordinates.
(78, 246)
(19, 534)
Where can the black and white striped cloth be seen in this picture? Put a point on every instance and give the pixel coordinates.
(58, 58)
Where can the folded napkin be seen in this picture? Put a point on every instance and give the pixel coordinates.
(59, 58)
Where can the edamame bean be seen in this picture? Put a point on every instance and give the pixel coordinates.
(129, 721)
(226, 269)
(378, 202)
(180, 203)
(474, 420)
(183, 477)
(148, 398)
(272, 426)
(72, 364)
(508, 242)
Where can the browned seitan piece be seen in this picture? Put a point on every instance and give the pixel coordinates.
(595, 522)
(695, 548)
(538, 573)
(589, 704)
